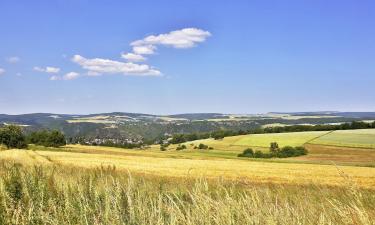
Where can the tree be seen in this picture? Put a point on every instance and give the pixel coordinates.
(56, 139)
(47, 138)
(274, 147)
(12, 137)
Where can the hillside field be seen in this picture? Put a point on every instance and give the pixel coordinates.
(364, 138)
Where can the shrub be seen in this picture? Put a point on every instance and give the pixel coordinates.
(163, 147)
(258, 154)
(284, 152)
(181, 147)
(247, 153)
(202, 146)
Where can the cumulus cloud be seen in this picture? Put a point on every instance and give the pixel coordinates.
(13, 59)
(48, 69)
(184, 38)
(2, 71)
(133, 57)
(144, 49)
(71, 76)
(106, 66)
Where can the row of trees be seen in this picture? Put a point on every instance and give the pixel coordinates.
(12, 137)
(47, 138)
(275, 152)
(220, 134)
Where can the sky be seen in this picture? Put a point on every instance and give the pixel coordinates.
(186, 56)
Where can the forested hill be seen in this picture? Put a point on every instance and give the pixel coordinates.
(134, 127)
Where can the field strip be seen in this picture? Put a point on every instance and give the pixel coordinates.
(315, 138)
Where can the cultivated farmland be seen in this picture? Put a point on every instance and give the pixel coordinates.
(364, 138)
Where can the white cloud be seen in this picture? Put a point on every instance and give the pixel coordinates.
(106, 66)
(13, 59)
(2, 71)
(55, 78)
(144, 49)
(184, 38)
(48, 69)
(133, 57)
(71, 76)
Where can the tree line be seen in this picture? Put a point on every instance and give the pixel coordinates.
(275, 152)
(220, 134)
(11, 136)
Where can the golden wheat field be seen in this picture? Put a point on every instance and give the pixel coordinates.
(170, 165)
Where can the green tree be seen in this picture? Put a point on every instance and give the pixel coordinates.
(274, 147)
(12, 137)
(47, 138)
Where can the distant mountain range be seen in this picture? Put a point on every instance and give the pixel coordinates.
(138, 126)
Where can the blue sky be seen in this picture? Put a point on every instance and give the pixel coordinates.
(70, 56)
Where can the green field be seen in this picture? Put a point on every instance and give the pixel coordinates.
(364, 138)
(348, 138)
(283, 139)
(261, 141)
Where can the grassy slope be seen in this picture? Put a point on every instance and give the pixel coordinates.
(348, 138)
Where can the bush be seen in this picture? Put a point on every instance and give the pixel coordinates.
(181, 147)
(258, 154)
(284, 152)
(202, 146)
(289, 151)
(163, 147)
(247, 153)
(12, 137)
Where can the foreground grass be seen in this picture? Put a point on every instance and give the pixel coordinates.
(67, 195)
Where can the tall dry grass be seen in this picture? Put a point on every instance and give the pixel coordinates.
(60, 195)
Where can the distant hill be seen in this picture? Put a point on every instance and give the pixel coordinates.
(138, 126)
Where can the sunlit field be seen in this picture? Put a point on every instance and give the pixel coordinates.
(71, 195)
(105, 185)
(151, 163)
(364, 138)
